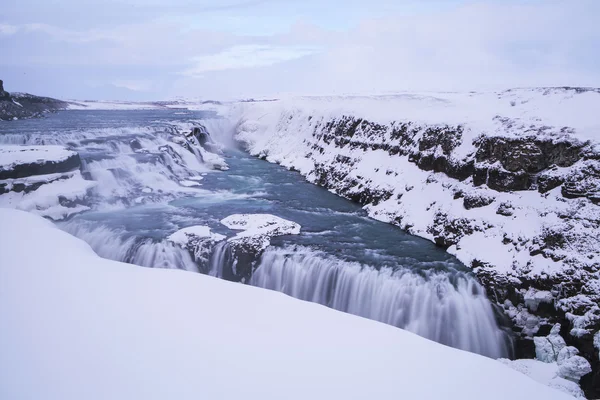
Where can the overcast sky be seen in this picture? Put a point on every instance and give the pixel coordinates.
(222, 49)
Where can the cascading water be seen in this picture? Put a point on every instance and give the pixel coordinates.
(448, 308)
(119, 246)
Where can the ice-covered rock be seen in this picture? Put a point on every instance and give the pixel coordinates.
(534, 297)
(198, 240)
(258, 229)
(573, 368)
(548, 347)
(243, 250)
(565, 353)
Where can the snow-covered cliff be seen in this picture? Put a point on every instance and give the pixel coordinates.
(509, 182)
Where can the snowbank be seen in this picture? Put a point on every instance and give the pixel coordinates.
(76, 326)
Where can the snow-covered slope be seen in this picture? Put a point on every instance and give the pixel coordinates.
(509, 182)
(76, 326)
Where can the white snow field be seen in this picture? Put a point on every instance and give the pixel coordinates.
(76, 326)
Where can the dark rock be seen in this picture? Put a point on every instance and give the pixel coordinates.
(505, 181)
(505, 209)
(446, 138)
(3, 94)
(23, 105)
(42, 168)
(135, 145)
(447, 232)
(525, 348)
(547, 182)
(529, 154)
(473, 200)
(501, 180)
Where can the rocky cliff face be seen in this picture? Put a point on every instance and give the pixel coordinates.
(24, 105)
(517, 202)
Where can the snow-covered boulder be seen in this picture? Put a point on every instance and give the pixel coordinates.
(552, 349)
(198, 240)
(573, 368)
(533, 298)
(77, 326)
(547, 348)
(255, 236)
(258, 229)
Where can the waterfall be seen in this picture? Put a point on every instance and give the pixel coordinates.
(132, 165)
(117, 245)
(220, 261)
(449, 308)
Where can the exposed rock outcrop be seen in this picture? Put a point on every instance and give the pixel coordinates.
(42, 179)
(23, 105)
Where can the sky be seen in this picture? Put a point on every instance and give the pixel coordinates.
(232, 49)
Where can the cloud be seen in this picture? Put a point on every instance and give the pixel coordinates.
(466, 45)
(134, 85)
(6, 29)
(247, 56)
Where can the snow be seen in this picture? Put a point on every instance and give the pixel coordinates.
(257, 229)
(182, 236)
(46, 200)
(11, 155)
(546, 374)
(189, 183)
(76, 326)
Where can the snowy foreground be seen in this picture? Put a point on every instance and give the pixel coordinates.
(76, 326)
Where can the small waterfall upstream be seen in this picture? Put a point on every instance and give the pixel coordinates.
(448, 308)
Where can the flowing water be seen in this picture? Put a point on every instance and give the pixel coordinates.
(149, 187)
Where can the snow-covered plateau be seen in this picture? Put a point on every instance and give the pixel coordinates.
(77, 326)
(509, 182)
